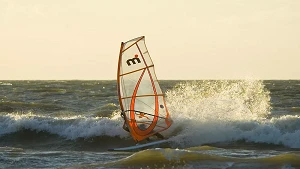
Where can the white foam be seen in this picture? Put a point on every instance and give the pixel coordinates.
(5, 84)
(203, 112)
(71, 127)
(224, 111)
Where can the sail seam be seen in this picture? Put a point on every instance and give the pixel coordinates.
(136, 70)
(133, 44)
(142, 96)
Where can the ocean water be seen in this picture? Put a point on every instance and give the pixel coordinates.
(217, 124)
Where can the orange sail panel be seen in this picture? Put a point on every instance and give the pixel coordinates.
(140, 96)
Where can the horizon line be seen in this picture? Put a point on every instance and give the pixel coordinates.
(116, 79)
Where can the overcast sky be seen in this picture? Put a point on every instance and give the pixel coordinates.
(187, 39)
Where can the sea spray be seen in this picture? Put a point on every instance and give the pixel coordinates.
(225, 111)
(201, 98)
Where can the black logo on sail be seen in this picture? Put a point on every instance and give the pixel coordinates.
(133, 60)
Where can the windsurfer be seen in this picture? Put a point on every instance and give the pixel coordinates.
(125, 127)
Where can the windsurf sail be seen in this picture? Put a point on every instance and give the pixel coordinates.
(141, 99)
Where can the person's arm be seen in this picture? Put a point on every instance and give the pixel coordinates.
(123, 114)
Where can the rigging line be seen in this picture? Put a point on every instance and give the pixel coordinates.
(148, 107)
(136, 111)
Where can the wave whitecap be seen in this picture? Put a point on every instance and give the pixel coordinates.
(70, 127)
(225, 111)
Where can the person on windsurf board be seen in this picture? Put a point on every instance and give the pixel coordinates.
(142, 126)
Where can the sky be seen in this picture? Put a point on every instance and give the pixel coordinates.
(187, 39)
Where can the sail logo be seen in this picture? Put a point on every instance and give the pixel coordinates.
(133, 60)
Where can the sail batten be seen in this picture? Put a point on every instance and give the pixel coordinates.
(143, 96)
(137, 70)
(133, 43)
(140, 96)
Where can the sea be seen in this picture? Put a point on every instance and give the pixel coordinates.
(217, 124)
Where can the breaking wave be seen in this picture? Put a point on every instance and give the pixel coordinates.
(204, 112)
(71, 127)
(226, 111)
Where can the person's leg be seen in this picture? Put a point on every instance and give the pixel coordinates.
(125, 127)
(158, 135)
